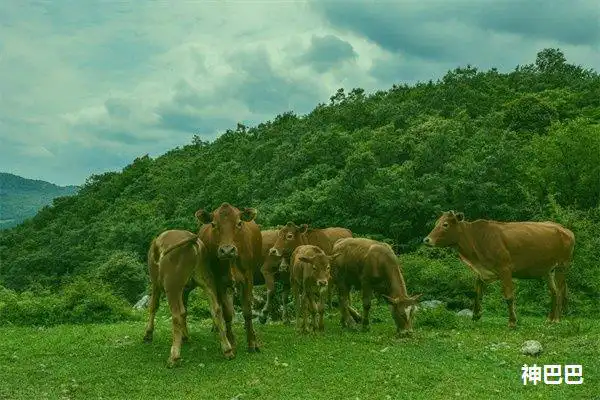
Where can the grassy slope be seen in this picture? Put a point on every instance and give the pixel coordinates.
(110, 361)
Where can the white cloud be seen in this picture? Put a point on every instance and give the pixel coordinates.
(97, 84)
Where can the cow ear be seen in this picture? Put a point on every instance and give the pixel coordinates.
(303, 228)
(203, 216)
(334, 256)
(391, 299)
(460, 216)
(414, 299)
(248, 214)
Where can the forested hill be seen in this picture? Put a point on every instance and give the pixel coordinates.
(508, 146)
(21, 198)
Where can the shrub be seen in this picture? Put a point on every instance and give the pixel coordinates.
(125, 275)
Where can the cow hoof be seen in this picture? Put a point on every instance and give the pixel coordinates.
(254, 349)
(172, 363)
(512, 326)
(366, 328)
(476, 317)
(262, 319)
(147, 338)
(229, 355)
(185, 339)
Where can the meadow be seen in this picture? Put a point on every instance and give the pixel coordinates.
(447, 357)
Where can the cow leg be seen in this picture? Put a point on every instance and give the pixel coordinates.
(509, 297)
(313, 308)
(186, 297)
(270, 284)
(218, 318)
(344, 294)
(321, 310)
(477, 308)
(305, 310)
(247, 311)
(296, 295)
(175, 300)
(226, 302)
(554, 297)
(153, 306)
(367, 295)
(560, 277)
(284, 302)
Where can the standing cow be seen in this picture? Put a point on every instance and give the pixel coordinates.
(372, 266)
(504, 250)
(292, 236)
(174, 258)
(309, 278)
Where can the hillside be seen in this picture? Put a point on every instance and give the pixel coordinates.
(523, 145)
(22, 198)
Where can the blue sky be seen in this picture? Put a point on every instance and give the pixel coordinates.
(85, 87)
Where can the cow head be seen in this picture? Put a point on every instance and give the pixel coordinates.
(446, 230)
(403, 311)
(227, 224)
(288, 239)
(320, 268)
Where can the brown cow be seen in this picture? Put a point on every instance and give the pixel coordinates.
(504, 250)
(171, 266)
(233, 242)
(372, 266)
(309, 278)
(292, 236)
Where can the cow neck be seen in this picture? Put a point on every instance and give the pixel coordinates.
(467, 242)
(397, 284)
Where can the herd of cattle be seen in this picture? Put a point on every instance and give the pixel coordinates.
(231, 252)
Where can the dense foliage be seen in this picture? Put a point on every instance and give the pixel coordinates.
(22, 198)
(523, 145)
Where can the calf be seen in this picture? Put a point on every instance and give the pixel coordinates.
(371, 266)
(174, 258)
(309, 278)
(291, 236)
(504, 250)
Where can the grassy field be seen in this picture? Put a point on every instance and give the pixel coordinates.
(448, 357)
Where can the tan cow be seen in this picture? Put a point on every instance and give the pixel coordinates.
(504, 250)
(292, 236)
(309, 278)
(171, 265)
(372, 266)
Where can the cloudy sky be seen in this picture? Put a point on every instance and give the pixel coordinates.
(87, 86)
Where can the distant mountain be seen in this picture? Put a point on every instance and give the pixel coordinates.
(22, 198)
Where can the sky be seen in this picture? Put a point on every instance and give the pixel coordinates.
(88, 86)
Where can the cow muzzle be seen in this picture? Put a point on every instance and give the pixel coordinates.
(322, 285)
(284, 265)
(274, 252)
(227, 251)
(427, 240)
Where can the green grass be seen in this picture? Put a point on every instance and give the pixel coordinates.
(455, 359)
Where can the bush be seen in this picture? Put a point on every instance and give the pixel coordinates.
(82, 301)
(124, 274)
(439, 318)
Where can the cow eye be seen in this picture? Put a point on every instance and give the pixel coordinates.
(213, 224)
(239, 224)
(314, 267)
(290, 236)
(445, 224)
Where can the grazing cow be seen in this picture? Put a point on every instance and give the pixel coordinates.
(372, 266)
(309, 278)
(292, 236)
(174, 258)
(504, 250)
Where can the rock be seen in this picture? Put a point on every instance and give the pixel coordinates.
(431, 304)
(465, 313)
(142, 303)
(531, 348)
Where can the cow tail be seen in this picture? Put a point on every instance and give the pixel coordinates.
(185, 242)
